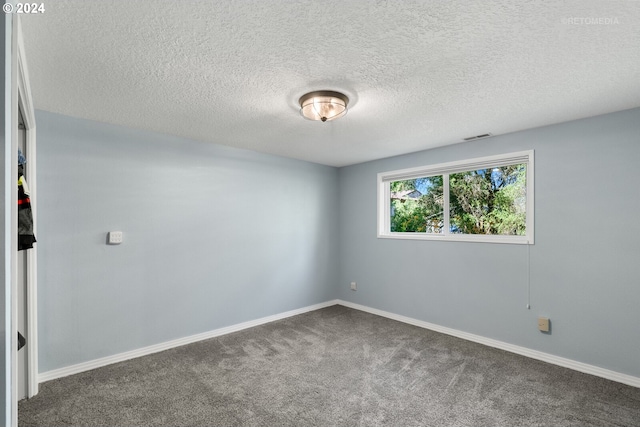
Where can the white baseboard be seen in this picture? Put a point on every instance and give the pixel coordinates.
(104, 361)
(523, 351)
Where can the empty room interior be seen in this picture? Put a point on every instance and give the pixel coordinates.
(322, 213)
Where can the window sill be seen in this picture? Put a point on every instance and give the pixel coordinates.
(513, 240)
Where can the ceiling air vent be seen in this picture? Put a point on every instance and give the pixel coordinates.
(473, 138)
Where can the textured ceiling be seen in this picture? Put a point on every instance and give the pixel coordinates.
(419, 74)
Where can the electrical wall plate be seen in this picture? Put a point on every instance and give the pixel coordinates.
(114, 237)
(543, 324)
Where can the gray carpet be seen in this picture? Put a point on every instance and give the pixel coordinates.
(332, 367)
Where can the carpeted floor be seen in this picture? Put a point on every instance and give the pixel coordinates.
(332, 367)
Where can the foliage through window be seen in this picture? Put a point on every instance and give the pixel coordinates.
(487, 199)
(417, 205)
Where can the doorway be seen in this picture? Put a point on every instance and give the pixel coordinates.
(22, 279)
(24, 288)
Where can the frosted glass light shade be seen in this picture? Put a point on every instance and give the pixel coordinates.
(324, 105)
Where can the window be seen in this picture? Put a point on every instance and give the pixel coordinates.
(488, 199)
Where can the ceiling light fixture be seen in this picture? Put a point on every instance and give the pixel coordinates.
(323, 105)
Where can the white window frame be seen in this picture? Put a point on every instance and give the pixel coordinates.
(444, 169)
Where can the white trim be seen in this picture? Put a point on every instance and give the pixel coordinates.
(530, 198)
(446, 203)
(24, 86)
(523, 351)
(104, 361)
(12, 115)
(9, 225)
(458, 166)
(384, 202)
(481, 238)
(25, 103)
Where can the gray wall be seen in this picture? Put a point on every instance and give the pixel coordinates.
(213, 236)
(584, 269)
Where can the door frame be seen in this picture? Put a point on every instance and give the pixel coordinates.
(24, 103)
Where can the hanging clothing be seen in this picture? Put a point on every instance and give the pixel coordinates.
(21, 159)
(26, 239)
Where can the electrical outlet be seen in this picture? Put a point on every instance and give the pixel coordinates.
(114, 238)
(543, 324)
(354, 286)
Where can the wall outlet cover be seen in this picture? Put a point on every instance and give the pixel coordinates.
(114, 237)
(543, 324)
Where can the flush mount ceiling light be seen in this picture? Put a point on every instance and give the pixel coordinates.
(323, 105)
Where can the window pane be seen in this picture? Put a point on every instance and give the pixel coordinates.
(417, 205)
(489, 201)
